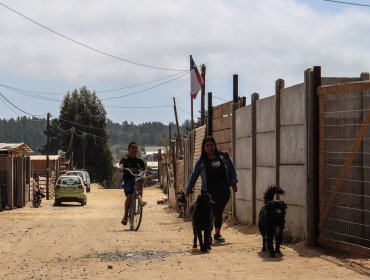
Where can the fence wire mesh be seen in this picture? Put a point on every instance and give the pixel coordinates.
(345, 167)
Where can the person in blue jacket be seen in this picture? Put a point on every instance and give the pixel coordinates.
(218, 174)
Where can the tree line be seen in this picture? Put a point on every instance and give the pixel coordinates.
(32, 132)
(84, 134)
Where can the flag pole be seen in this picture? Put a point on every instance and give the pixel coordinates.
(203, 97)
(192, 119)
(191, 98)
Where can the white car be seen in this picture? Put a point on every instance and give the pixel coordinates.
(84, 176)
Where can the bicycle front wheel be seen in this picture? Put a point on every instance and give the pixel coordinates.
(136, 212)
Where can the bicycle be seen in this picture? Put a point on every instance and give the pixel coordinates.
(135, 214)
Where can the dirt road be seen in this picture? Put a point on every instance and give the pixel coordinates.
(74, 242)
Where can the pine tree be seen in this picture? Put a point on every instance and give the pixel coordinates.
(83, 115)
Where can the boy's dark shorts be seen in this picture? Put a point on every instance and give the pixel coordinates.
(128, 189)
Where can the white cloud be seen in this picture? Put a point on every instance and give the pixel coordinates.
(259, 40)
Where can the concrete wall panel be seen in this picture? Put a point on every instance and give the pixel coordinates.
(244, 211)
(266, 154)
(292, 105)
(293, 182)
(245, 184)
(296, 221)
(266, 114)
(292, 144)
(243, 155)
(243, 122)
(265, 177)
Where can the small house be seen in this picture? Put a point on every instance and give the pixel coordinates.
(14, 175)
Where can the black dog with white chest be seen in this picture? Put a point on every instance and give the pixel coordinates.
(271, 221)
(202, 220)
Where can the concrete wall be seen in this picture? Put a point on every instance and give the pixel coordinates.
(292, 156)
(243, 163)
(293, 147)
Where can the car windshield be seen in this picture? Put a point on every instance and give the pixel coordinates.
(74, 173)
(69, 181)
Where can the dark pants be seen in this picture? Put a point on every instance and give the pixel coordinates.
(221, 196)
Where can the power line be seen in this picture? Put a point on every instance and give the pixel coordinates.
(7, 105)
(147, 107)
(143, 90)
(35, 94)
(27, 93)
(138, 107)
(86, 46)
(33, 115)
(140, 84)
(83, 125)
(30, 91)
(219, 98)
(348, 3)
(84, 134)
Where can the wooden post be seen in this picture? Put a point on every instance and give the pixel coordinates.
(255, 97)
(233, 131)
(159, 165)
(173, 143)
(47, 156)
(2, 180)
(178, 138)
(203, 96)
(365, 76)
(210, 115)
(279, 85)
(312, 82)
(10, 181)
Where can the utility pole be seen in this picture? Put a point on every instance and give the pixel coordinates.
(178, 138)
(83, 150)
(210, 115)
(235, 106)
(203, 97)
(47, 155)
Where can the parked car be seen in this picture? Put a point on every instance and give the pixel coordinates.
(84, 175)
(70, 188)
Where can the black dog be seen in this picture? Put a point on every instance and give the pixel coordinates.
(202, 220)
(271, 220)
(181, 202)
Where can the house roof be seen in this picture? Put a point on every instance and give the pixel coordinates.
(15, 148)
(43, 157)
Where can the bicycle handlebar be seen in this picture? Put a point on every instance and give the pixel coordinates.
(136, 175)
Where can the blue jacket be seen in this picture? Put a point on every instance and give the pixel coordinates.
(200, 169)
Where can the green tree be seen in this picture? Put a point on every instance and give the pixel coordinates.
(83, 115)
(54, 135)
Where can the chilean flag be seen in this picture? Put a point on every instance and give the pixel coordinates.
(196, 81)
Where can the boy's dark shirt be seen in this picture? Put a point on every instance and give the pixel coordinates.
(135, 164)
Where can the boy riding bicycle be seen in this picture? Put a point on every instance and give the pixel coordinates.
(136, 165)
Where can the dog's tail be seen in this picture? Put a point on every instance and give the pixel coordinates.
(271, 191)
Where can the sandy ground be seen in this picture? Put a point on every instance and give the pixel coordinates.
(74, 242)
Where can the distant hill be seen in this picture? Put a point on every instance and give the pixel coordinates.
(31, 132)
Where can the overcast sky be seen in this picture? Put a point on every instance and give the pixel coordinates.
(261, 41)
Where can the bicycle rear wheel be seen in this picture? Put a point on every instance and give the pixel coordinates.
(136, 212)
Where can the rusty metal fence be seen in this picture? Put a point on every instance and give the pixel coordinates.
(344, 182)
